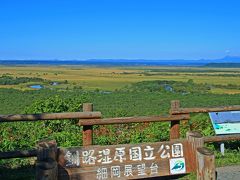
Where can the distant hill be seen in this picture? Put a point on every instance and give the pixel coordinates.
(105, 62)
(223, 65)
(125, 62)
(230, 59)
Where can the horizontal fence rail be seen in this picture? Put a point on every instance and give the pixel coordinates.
(235, 137)
(18, 154)
(126, 120)
(50, 116)
(204, 110)
(87, 122)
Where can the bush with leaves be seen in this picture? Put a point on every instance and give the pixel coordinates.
(24, 135)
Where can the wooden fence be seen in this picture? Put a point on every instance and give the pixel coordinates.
(50, 157)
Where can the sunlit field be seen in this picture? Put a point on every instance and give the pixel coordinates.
(112, 78)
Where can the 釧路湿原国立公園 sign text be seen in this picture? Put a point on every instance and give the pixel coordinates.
(126, 161)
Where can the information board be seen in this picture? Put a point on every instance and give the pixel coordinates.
(226, 122)
(125, 161)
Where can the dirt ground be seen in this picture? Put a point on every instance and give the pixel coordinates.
(228, 172)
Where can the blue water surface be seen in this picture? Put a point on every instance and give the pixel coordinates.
(37, 86)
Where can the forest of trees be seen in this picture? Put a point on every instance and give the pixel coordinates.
(9, 80)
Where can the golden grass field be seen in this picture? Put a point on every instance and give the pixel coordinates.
(111, 78)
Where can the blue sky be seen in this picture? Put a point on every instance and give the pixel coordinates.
(129, 29)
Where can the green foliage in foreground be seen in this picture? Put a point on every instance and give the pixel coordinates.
(22, 135)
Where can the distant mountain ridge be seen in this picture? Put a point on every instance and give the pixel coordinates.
(229, 59)
(223, 65)
(124, 62)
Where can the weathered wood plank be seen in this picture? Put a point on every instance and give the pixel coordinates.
(203, 110)
(235, 137)
(175, 125)
(125, 120)
(50, 116)
(196, 141)
(175, 130)
(46, 164)
(125, 161)
(175, 106)
(18, 154)
(87, 129)
(205, 164)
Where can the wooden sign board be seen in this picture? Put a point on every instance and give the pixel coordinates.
(125, 161)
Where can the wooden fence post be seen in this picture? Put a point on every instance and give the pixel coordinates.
(205, 164)
(87, 130)
(196, 139)
(46, 165)
(175, 125)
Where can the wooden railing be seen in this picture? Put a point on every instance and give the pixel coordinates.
(87, 119)
(50, 116)
(222, 138)
(204, 110)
